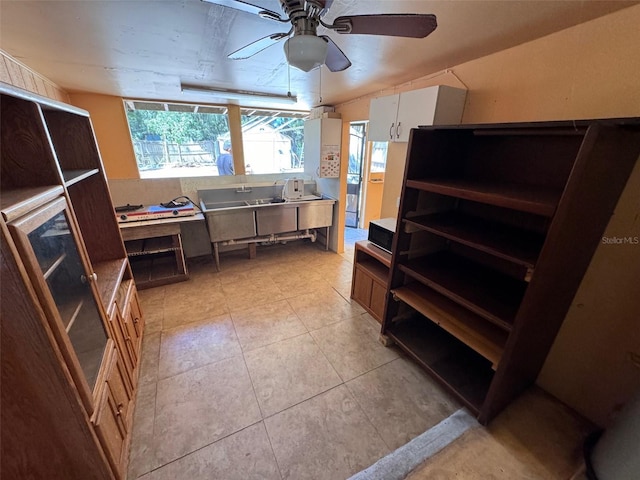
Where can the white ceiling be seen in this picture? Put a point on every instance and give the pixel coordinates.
(145, 49)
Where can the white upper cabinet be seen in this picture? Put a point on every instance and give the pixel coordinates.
(392, 117)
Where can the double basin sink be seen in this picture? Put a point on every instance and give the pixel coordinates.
(240, 203)
(236, 219)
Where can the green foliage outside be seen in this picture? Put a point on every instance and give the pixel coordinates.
(176, 127)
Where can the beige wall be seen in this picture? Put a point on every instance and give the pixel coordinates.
(588, 71)
(112, 132)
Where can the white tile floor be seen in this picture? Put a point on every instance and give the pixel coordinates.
(267, 370)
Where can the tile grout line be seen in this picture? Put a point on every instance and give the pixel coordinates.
(255, 395)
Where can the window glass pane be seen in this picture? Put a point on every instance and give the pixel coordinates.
(174, 140)
(273, 142)
(379, 156)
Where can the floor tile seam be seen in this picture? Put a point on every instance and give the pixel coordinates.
(227, 312)
(325, 356)
(207, 364)
(252, 307)
(253, 387)
(372, 369)
(277, 341)
(266, 429)
(153, 428)
(346, 384)
(348, 300)
(204, 446)
(301, 401)
(328, 389)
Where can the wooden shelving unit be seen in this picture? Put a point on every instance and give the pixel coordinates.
(497, 225)
(63, 264)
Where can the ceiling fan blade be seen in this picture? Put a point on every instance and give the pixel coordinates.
(336, 60)
(249, 8)
(327, 4)
(257, 46)
(414, 25)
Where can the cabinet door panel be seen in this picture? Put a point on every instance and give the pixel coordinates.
(382, 118)
(416, 107)
(136, 314)
(110, 428)
(52, 250)
(119, 337)
(378, 296)
(362, 287)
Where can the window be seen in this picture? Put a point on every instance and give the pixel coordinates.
(379, 156)
(183, 140)
(176, 140)
(273, 142)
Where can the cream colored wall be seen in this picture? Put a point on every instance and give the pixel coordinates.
(588, 71)
(112, 132)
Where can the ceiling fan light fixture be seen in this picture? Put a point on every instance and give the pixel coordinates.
(305, 52)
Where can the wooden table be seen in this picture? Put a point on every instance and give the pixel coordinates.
(154, 248)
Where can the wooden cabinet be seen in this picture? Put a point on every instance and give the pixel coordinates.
(392, 117)
(112, 417)
(62, 248)
(497, 225)
(370, 278)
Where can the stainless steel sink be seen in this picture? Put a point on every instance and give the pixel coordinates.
(230, 204)
(259, 201)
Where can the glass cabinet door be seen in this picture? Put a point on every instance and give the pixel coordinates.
(47, 238)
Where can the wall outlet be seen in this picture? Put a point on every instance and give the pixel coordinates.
(398, 202)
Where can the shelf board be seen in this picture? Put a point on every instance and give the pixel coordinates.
(472, 330)
(482, 290)
(55, 263)
(16, 202)
(155, 270)
(74, 315)
(68, 306)
(503, 241)
(526, 198)
(374, 269)
(462, 371)
(150, 246)
(372, 250)
(74, 176)
(110, 274)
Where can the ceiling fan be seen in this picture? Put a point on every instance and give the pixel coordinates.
(305, 49)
